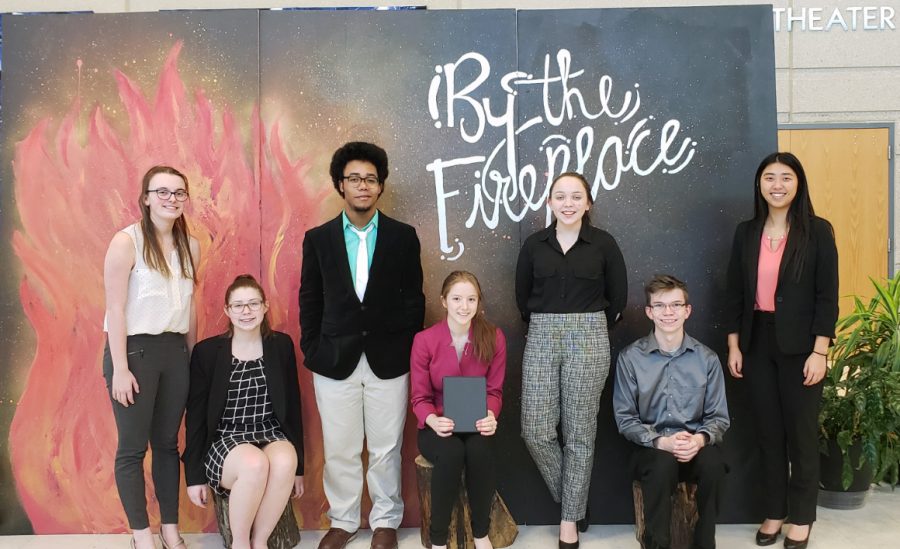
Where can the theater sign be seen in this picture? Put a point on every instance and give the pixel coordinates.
(851, 18)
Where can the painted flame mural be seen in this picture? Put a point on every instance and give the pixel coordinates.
(75, 187)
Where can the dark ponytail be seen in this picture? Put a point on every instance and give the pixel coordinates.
(247, 281)
(586, 218)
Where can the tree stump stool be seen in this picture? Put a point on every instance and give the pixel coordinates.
(503, 529)
(684, 515)
(285, 536)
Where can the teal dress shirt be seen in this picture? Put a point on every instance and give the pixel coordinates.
(351, 240)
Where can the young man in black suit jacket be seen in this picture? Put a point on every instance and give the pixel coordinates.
(361, 303)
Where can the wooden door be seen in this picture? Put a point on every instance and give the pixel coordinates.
(848, 174)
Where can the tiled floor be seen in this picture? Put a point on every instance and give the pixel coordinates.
(877, 525)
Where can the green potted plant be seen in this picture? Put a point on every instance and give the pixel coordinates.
(860, 417)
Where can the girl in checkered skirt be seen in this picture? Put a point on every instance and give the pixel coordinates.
(244, 429)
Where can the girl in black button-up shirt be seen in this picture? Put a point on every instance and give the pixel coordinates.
(570, 285)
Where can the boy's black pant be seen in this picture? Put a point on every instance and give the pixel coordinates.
(659, 474)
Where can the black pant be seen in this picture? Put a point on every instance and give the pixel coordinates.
(160, 365)
(659, 474)
(450, 456)
(787, 421)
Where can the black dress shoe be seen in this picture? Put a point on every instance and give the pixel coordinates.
(568, 545)
(795, 544)
(585, 522)
(763, 539)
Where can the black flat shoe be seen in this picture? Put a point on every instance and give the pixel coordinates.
(585, 522)
(795, 544)
(567, 545)
(766, 539)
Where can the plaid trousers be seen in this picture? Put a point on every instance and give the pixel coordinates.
(564, 370)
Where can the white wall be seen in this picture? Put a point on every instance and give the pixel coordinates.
(822, 77)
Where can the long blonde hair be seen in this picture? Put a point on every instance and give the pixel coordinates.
(153, 254)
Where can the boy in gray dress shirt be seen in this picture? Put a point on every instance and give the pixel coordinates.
(669, 401)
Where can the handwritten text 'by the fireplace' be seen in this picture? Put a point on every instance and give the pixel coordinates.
(499, 183)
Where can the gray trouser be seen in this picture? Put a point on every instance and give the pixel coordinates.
(563, 373)
(160, 363)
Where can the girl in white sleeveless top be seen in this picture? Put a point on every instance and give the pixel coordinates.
(151, 326)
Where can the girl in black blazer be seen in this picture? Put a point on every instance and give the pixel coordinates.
(244, 432)
(782, 309)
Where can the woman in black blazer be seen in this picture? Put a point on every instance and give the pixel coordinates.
(244, 429)
(782, 309)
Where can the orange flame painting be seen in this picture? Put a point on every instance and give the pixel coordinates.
(75, 184)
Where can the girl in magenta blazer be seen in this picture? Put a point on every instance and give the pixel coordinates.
(464, 344)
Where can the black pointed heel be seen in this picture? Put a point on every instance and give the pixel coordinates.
(797, 544)
(763, 539)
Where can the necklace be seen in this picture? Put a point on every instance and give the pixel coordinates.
(775, 241)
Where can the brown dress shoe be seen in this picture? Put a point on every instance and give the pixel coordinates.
(384, 538)
(336, 538)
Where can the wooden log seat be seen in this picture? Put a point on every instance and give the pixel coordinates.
(684, 515)
(285, 536)
(503, 530)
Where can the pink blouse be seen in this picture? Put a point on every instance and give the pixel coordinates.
(767, 273)
(433, 357)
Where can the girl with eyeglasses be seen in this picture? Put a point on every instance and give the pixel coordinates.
(149, 275)
(571, 284)
(782, 308)
(244, 434)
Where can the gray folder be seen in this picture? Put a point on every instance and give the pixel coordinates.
(465, 401)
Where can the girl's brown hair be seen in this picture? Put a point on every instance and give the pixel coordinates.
(153, 254)
(484, 333)
(247, 281)
(587, 191)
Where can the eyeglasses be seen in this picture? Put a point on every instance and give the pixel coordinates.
(164, 194)
(662, 307)
(237, 308)
(356, 181)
